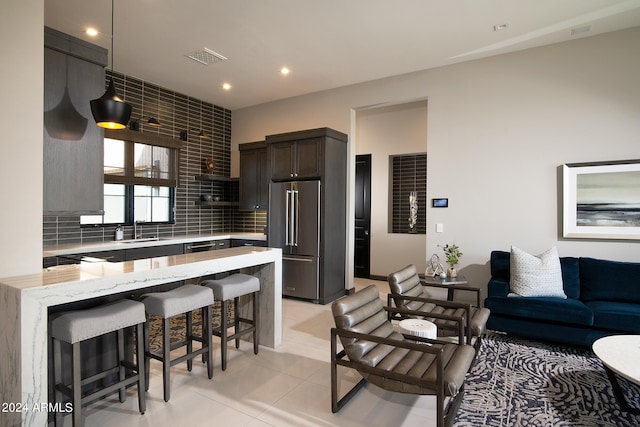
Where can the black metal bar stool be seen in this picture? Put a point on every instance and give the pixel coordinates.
(73, 327)
(232, 288)
(182, 300)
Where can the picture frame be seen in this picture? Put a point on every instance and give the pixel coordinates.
(601, 200)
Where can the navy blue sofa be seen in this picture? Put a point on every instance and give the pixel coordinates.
(603, 298)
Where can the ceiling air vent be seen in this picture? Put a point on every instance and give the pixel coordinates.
(206, 56)
(580, 30)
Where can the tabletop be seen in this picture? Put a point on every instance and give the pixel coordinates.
(621, 354)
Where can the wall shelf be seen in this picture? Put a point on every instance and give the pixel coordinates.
(220, 186)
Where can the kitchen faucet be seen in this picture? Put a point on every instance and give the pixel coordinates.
(135, 229)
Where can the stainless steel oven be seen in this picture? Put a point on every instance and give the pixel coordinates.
(199, 247)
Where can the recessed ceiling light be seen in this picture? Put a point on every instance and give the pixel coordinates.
(500, 27)
(284, 71)
(91, 32)
(226, 86)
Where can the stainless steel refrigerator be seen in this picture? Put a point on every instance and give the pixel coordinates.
(294, 226)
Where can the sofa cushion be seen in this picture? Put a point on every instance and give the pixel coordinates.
(500, 265)
(616, 316)
(500, 271)
(603, 280)
(498, 288)
(536, 276)
(549, 309)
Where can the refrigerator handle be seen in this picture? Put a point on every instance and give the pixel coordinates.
(297, 217)
(287, 219)
(291, 224)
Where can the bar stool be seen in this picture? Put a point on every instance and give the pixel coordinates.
(182, 300)
(73, 327)
(232, 288)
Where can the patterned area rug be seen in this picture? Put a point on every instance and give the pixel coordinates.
(177, 327)
(524, 383)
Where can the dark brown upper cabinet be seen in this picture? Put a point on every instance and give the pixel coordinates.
(296, 159)
(254, 176)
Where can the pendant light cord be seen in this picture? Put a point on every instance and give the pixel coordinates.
(112, 26)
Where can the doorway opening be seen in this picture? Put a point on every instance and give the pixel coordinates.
(362, 232)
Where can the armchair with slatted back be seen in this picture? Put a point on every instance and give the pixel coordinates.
(391, 360)
(408, 291)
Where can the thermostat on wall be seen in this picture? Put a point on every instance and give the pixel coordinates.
(440, 203)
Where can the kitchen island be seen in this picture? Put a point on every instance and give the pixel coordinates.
(25, 302)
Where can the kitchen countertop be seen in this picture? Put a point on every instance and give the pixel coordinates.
(114, 245)
(25, 300)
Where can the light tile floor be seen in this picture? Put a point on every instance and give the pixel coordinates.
(287, 386)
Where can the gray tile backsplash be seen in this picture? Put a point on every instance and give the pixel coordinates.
(176, 112)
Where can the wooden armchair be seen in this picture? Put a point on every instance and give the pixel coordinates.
(391, 360)
(407, 291)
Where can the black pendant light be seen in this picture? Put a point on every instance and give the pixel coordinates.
(110, 111)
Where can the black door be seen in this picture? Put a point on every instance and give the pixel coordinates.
(361, 259)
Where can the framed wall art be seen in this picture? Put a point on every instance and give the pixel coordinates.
(601, 200)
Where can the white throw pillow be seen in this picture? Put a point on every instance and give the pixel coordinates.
(536, 276)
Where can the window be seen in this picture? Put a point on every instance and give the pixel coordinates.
(115, 203)
(140, 179)
(113, 157)
(408, 183)
(151, 162)
(152, 204)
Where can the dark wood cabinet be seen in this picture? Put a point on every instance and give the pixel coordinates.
(299, 159)
(72, 142)
(254, 176)
(223, 244)
(86, 257)
(235, 243)
(110, 256)
(152, 252)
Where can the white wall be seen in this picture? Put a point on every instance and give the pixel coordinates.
(21, 86)
(385, 131)
(498, 130)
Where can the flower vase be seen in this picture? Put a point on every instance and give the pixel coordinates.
(452, 272)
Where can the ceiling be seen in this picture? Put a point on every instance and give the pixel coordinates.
(325, 44)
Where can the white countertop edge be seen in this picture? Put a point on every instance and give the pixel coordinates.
(178, 267)
(131, 275)
(114, 245)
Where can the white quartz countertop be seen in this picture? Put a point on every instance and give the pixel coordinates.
(182, 266)
(76, 248)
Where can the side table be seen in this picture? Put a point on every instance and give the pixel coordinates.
(459, 283)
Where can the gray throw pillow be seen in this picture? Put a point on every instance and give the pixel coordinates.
(536, 276)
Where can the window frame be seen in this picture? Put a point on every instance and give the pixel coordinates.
(131, 138)
(131, 199)
(129, 180)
